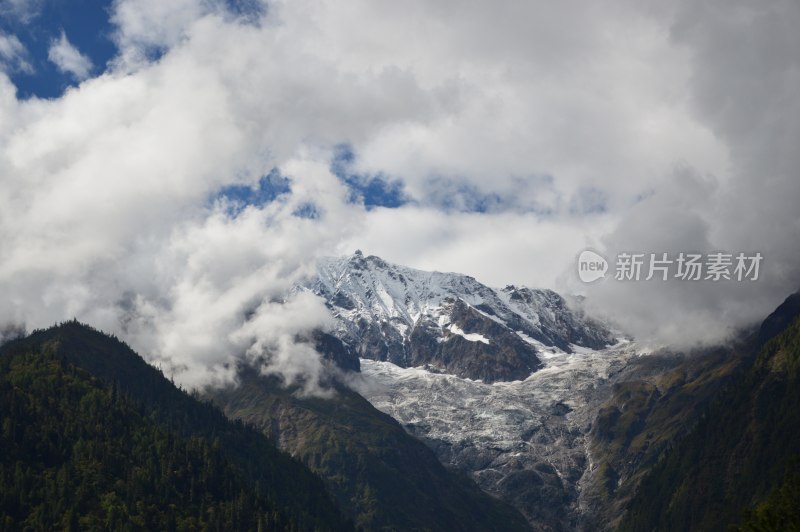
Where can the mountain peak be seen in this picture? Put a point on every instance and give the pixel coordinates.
(422, 318)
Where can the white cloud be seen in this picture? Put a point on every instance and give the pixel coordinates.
(498, 249)
(149, 27)
(13, 55)
(105, 209)
(592, 95)
(744, 77)
(69, 59)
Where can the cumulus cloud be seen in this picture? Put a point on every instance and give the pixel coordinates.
(147, 28)
(744, 73)
(498, 249)
(109, 212)
(69, 59)
(225, 285)
(13, 55)
(569, 125)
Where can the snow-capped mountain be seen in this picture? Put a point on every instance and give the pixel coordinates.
(542, 406)
(449, 322)
(501, 383)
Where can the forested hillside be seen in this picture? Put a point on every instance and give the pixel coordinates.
(739, 465)
(92, 438)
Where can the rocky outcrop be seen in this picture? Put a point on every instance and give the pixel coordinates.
(472, 346)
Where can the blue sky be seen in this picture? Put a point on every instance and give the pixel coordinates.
(88, 27)
(85, 24)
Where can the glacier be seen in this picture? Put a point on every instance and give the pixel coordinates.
(523, 441)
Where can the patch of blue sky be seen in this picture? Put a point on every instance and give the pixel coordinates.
(86, 24)
(250, 11)
(371, 190)
(238, 197)
(453, 194)
(88, 27)
(307, 210)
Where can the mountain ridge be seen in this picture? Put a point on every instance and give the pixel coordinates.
(448, 321)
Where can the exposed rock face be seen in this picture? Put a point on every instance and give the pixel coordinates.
(449, 322)
(336, 351)
(489, 351)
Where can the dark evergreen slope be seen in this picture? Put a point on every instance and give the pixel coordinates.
(780, 511)
(92, 437)
(384, 478)
(783, 316)
(744, 452)
(656, 402)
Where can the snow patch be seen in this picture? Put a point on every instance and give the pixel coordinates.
(470, 337)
